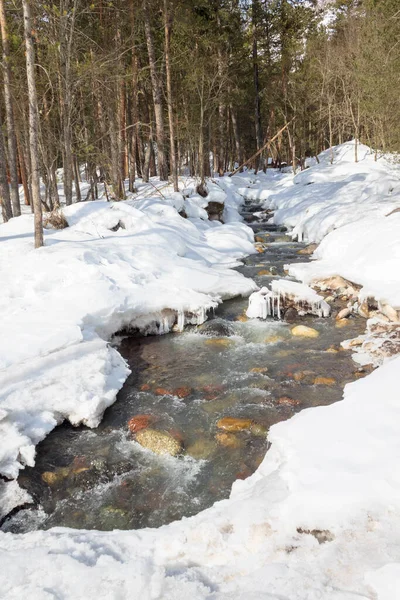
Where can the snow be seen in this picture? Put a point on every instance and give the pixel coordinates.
(269, 303)
(62, 303)
(320, 518)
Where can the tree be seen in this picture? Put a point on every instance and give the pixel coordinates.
(33, 124)
(12, 142)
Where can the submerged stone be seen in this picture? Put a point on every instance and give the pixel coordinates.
(258, 430)
(234, 424)
(304, 331)
(159, 442)
(261, 370)
(324, 381)
(139, 422)
(183, 392)
(219, 342)
(286, 401)
(201, 449)
(229, 440)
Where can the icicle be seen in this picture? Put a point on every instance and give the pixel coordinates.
(181, 320)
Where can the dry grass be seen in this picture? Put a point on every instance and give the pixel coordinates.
(55, 220)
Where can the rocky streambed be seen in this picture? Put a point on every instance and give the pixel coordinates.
(194, 414)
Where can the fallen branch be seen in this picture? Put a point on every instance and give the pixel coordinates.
(263, 148)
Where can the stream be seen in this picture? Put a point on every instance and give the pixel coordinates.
(229, 367)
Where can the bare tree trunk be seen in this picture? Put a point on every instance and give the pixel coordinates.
(33, 124)
(157, 95)
(67, 24)
(77, 179)
(236, 136)
(22, 167)
(135, 105)
(11, 139)
(167, 28)
(257, 102)
(5, 199)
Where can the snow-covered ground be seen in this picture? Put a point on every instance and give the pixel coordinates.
(320, 519)
(61, 304)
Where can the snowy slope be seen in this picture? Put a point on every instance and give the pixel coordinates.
(62, 303)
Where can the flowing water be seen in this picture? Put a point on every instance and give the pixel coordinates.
(187, 381)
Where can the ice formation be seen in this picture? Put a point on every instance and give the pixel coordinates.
(283, 294)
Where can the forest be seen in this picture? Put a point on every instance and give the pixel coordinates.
(136, 88)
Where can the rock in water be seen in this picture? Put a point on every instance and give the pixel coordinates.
(229, 440)
(324, 381)
(158, 442)
(216, 328)
(233, 424)
(139, 422)
(303, 331)
(310, 249)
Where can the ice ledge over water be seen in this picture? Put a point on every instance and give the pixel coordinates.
(284, 293)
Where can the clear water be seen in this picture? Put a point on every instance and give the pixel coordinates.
(103, 479)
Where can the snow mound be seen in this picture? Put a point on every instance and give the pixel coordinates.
(136, 264)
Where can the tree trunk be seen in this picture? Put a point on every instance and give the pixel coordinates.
(257, 102)
(33, 124)
(67, 24)
(77, 179)
(22, 167)
(135, 105)
(11, 138)
(167, 29)
(236, 136)
(157, 94)
(5, 199)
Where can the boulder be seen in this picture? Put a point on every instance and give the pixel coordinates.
(304, 331)
(159, 442)
(216, 328)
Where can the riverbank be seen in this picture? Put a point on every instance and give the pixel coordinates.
(319, 519)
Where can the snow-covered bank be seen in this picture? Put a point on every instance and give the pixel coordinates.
(135, 264)
(320, 519)
(351, 208)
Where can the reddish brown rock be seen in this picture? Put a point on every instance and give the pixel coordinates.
(139, 422)
(160, 391)
(183, 392)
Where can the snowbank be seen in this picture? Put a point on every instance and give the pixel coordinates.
(135, 264)
(320, 519)
(352, 209)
